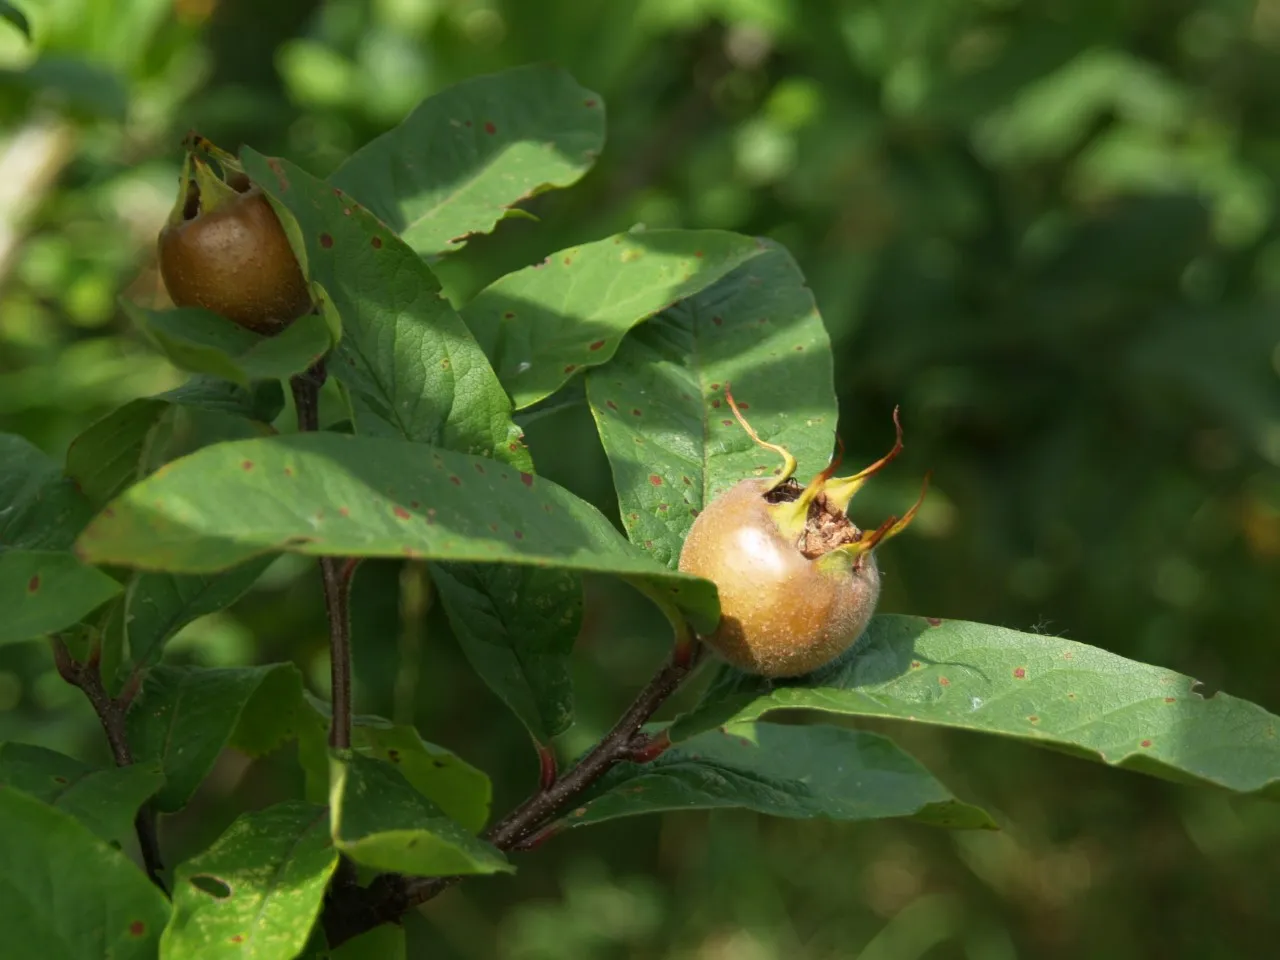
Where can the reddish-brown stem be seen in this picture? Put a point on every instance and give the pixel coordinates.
(111, 714)
(390, 896)
(336, 574)
(547, 771)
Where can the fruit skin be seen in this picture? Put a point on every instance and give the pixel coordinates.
(236, 261)
(782, 613)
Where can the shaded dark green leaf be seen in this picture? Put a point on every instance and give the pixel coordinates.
(105, 801)
(517, 627)
(43, 591)
(783, 771)
(185, 716)
(200, 341)
(40, 509)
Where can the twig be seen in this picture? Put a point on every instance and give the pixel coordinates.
(390, 896)
(336, 573)
(111, 713)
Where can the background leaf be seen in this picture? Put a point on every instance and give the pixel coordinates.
(197, 340)
(782, 771)
(185, 716)
(328, 494)
(1045, 691)
(541, 325)
(43, 591)
(672, 441)
(105, 801)
(67, 894)
(457, 163)
(516, 627)
(380, 821)
(414, 365)
(11, 14)
(256, 892)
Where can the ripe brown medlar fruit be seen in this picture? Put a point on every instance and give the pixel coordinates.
(224, 248)
(798, 580)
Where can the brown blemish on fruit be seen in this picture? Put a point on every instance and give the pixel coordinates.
(326, 241)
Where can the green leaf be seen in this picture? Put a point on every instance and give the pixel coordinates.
(386, 942)
(200, 341)
(541, 325)
(185, 716)
(43, 591)
(461, 791)
(382, 822)
(1045, 691)
(671, 439)
(405, 353)
(105, 801)
(256, 893)
(333, 495)
(138, 438)
(11, 14)
(40, 509)
(462, 158)
(782, 771)
(158, 605)
(517, 627)
(66, 894)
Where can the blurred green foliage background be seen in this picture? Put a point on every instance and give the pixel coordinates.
(1047, 228)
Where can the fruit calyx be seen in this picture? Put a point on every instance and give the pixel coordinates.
(815, 515)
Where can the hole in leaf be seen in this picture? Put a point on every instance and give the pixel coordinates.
(207, 883)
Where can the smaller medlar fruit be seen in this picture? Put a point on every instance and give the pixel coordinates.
(224, 249)
(798, 580)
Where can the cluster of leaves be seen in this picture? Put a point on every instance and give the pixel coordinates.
(172, 506)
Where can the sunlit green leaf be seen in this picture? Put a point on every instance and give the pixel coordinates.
(541, 325)
(413, 366)
(672, 441)
(328, 494)
(456, 164)
(257, 891)
(380, 821)
(1044, 691)
(66, 894)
